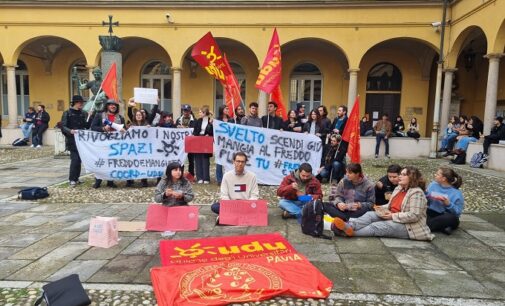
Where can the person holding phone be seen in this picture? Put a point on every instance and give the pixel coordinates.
(173, 189)
(445, 201)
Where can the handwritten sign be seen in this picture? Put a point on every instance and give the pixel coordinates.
(141, 152)
(145, 95)
(272, 154)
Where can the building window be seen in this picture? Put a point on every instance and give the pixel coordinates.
(219, 94)
(156, 74)
(306, 84)
(383, 91)
(22, 89)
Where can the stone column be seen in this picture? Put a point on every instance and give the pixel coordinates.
(447, 97)
(353, 87)
(436, 113)
(12, 96)
(109, 57)
(176, 92)
(491, 90)
(262, 103)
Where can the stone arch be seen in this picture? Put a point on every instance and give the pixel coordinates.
(499, 42)
(463, 38)
(315, 42)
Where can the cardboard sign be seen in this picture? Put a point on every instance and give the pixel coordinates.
(199, 144)
(145, 95)
(243, 212)
(177, 218)
(131, 226)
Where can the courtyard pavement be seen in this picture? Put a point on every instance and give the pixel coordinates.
(44, 242)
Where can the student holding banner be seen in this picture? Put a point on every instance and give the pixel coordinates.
(238, 184)
(203, 127)
(252, 119)
(139, 120)
(103, 122)
(298, 183)
(173, 189)
(272, 121)
(223, 115)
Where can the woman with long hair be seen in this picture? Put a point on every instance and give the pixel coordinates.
(413, 131)
(445, 201)
(203, 127)
(399, 127)
(313, 124)
(292, 124)
(403, 217)
(451, 132)
(173, 189)
(138, 120)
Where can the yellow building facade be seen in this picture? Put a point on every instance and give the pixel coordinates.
(385, 51)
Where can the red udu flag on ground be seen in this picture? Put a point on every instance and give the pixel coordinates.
(351, 134)
(109, 83)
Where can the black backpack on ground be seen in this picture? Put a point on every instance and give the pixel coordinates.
(460, 158)
(313, 219)
(20, 142)
(33, 193)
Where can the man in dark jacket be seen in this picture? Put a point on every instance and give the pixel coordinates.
(497, 134)
(102, 122)
(298, 183)
(272, 121)
(386, 184)
(340, 121)
(72, 120)
(333, 161)
(41, 124)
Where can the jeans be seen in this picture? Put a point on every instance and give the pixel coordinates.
(292, 207)
(446, 139)
(378, 139)
(75, 166)
(219, 173)
(370, 225)
(202, 162)
(463, 143)
(37, 134)
(26, 128)
(337, 168)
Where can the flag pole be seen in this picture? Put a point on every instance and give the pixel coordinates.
(94, 101)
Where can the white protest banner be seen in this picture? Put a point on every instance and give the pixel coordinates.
(272, 154)
(145, 95)
(140, 152)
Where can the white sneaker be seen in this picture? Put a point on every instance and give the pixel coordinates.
(72, 183)
(32, 146)
(206, 182)
(200, 182)
(39, 147)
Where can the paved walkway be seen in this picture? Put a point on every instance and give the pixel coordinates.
(44, 242)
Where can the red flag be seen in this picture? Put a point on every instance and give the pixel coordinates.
(270, 73)
(352, 133)
(232, 89)
(109, 83)
(276, 96)
(207, 54)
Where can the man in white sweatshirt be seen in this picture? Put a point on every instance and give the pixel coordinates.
(238, 184)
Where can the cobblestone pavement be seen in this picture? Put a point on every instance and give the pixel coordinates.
(44, 241)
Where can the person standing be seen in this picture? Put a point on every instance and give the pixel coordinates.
(223, 114)
(340, 121)
(41, 124)
(272, 121)
(252, 119)
(203, 127)
(102, 123)
(325, 123)
(187, 120)
(72, 120)
(383, 129)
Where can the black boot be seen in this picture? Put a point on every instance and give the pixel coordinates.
(97, 183)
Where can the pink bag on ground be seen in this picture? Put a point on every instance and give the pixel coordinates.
(103, 232)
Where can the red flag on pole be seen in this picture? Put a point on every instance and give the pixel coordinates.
(232, 89)
(109, 83)
(270, 73)
(207, 54)
(352, 134)
(276, 96)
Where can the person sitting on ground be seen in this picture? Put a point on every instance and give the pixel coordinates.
(383, 130)
(28, 120)
(386, 185)
(333, 161)
(42, 119)
(403, 217)
(365, 127)
(445, 201)
(413, 130)
(139, 120)
(497, 134)
(298, 183)
(451, 132)
(353, 196)
(252, 119)
(238, 184)
(173, 189)
(292, 124)
(102, 122)
(271, 120)
(399, 127)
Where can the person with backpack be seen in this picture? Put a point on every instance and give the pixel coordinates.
(497, 134)
(353, 196)
(73, 120)
(293, 187)
(403, 217)
(445, 201)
